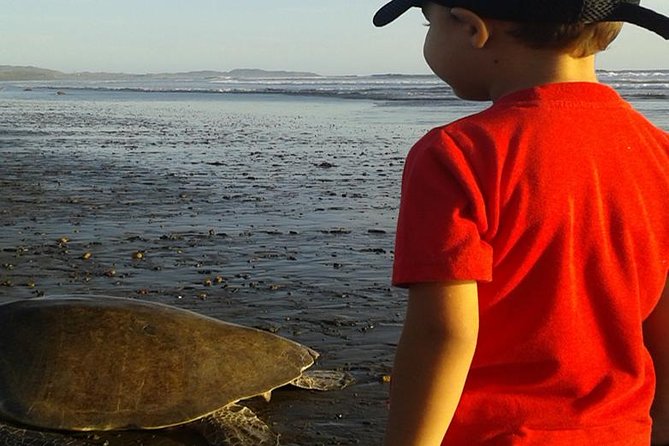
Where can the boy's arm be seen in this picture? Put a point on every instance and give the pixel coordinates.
(432, 361)
(656, 337)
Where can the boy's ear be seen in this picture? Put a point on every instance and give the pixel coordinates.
(479, 30)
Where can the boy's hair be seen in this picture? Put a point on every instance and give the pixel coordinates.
(578, 39)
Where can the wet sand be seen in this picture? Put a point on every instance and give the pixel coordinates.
(281, 220)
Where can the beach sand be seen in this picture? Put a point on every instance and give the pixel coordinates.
(239, 217)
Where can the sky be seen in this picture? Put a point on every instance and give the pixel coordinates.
(330, 37)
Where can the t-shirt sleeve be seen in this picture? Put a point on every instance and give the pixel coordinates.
(442, 216)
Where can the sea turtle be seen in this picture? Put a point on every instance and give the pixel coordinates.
(91, 363)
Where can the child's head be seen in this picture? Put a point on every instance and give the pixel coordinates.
(484, 48)
(543, 13)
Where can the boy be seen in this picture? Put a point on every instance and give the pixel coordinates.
(533, 238)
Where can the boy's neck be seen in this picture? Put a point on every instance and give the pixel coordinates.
(529, 68)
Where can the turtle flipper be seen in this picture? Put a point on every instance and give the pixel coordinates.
(236, 425)
(14, 436)
(323, 380)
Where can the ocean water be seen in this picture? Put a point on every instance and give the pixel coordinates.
(267, 202)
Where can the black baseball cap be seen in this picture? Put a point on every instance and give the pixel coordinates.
(546, 11)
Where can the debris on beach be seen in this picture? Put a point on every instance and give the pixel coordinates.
(110, 272)
(336, 231)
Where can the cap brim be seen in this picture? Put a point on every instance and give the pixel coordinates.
(393, 10)
(643, 17)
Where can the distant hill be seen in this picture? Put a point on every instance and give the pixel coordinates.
(12, 73)
(15, 73)
(250, 72)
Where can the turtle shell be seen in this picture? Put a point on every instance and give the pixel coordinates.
(101, 363)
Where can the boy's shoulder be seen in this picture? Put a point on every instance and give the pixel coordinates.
(573, 105)
(543, 115)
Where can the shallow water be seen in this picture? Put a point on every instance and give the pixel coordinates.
(273, 212)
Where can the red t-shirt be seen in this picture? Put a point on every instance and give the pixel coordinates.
(556, 200)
